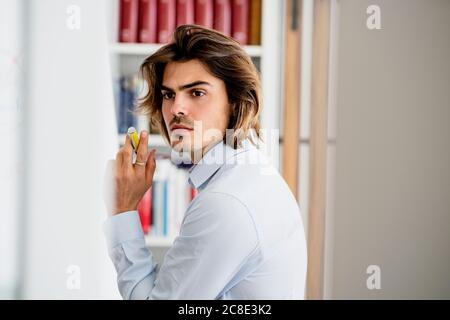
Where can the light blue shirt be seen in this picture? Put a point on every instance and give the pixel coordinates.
(242, 237)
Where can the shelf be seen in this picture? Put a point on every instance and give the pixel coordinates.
(142, 49)
(154, 140)
(153, 241)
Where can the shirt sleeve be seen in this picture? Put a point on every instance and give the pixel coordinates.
(128, 251)
(216, 238)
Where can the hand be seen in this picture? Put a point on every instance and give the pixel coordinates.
(128, 182)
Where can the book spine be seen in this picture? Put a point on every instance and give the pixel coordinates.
(194, 193)
(128, 26)
(222, 16)
(166, 207)
(131, 100)
(148, 21)
(153, 211)
(144, 211)
(157, 207)
(255, 22)
(240, 17)
(150, 218)
(178, 189)
(122, 110)
(166, 20)
(204, 13)
(185, 12)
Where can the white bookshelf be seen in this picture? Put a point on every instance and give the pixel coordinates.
(126, 59)
(140, 49)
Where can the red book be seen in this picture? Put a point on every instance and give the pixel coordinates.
(128, 26)
(166, 20)
(185, 12)
(147, 21)
(194, 193)
(204, 13)
(222, 16)
(239, 27)
(145, 211)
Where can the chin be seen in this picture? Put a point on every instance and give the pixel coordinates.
(185, 142)
(181, 146)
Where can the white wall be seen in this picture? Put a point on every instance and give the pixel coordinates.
(392, 191)
(11, 55)
(70, 134)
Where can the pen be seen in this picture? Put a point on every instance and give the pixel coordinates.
(134, 137)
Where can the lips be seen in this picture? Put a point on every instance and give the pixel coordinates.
(179, 126)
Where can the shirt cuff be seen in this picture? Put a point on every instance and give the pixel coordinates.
(122, 227)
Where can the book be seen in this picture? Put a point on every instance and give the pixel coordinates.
(127, 90)
(160, 198)
(167, 206)
(171, 195)
(204, 13)
(240, 20)
(128, 25)
(140, 89)
(185, 12)
(194, 193)
(254, 37)
(157, 207)
(222, 16)
(127, 97)
(182, 190)
(166, 20)
(148, 24)
(145, 211)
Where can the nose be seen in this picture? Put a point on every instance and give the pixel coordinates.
(179, 107)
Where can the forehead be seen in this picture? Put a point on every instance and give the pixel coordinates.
(178, 73)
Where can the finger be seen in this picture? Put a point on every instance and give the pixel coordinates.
(142, 150)
(150, 167)
(127, 152)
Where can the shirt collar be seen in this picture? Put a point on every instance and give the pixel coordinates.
(214, 158)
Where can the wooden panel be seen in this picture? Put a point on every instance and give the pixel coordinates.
(291, 129)
(319, 101)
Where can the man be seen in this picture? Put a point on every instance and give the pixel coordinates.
(242, 237)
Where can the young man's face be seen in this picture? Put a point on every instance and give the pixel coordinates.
(195, 106)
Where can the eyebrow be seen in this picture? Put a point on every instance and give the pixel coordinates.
(186, 86)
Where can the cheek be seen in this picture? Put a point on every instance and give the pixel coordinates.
(165, 110)
(216, 118)
(221, 114)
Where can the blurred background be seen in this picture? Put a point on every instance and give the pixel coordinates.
(356, 101)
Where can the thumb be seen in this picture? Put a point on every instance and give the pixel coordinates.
(150, 167)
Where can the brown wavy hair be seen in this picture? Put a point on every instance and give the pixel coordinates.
(225, 59)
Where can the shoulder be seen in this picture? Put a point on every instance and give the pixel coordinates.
(220, 209)
(218, 202)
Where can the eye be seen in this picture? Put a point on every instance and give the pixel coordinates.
(168, 95)
(198, 93)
